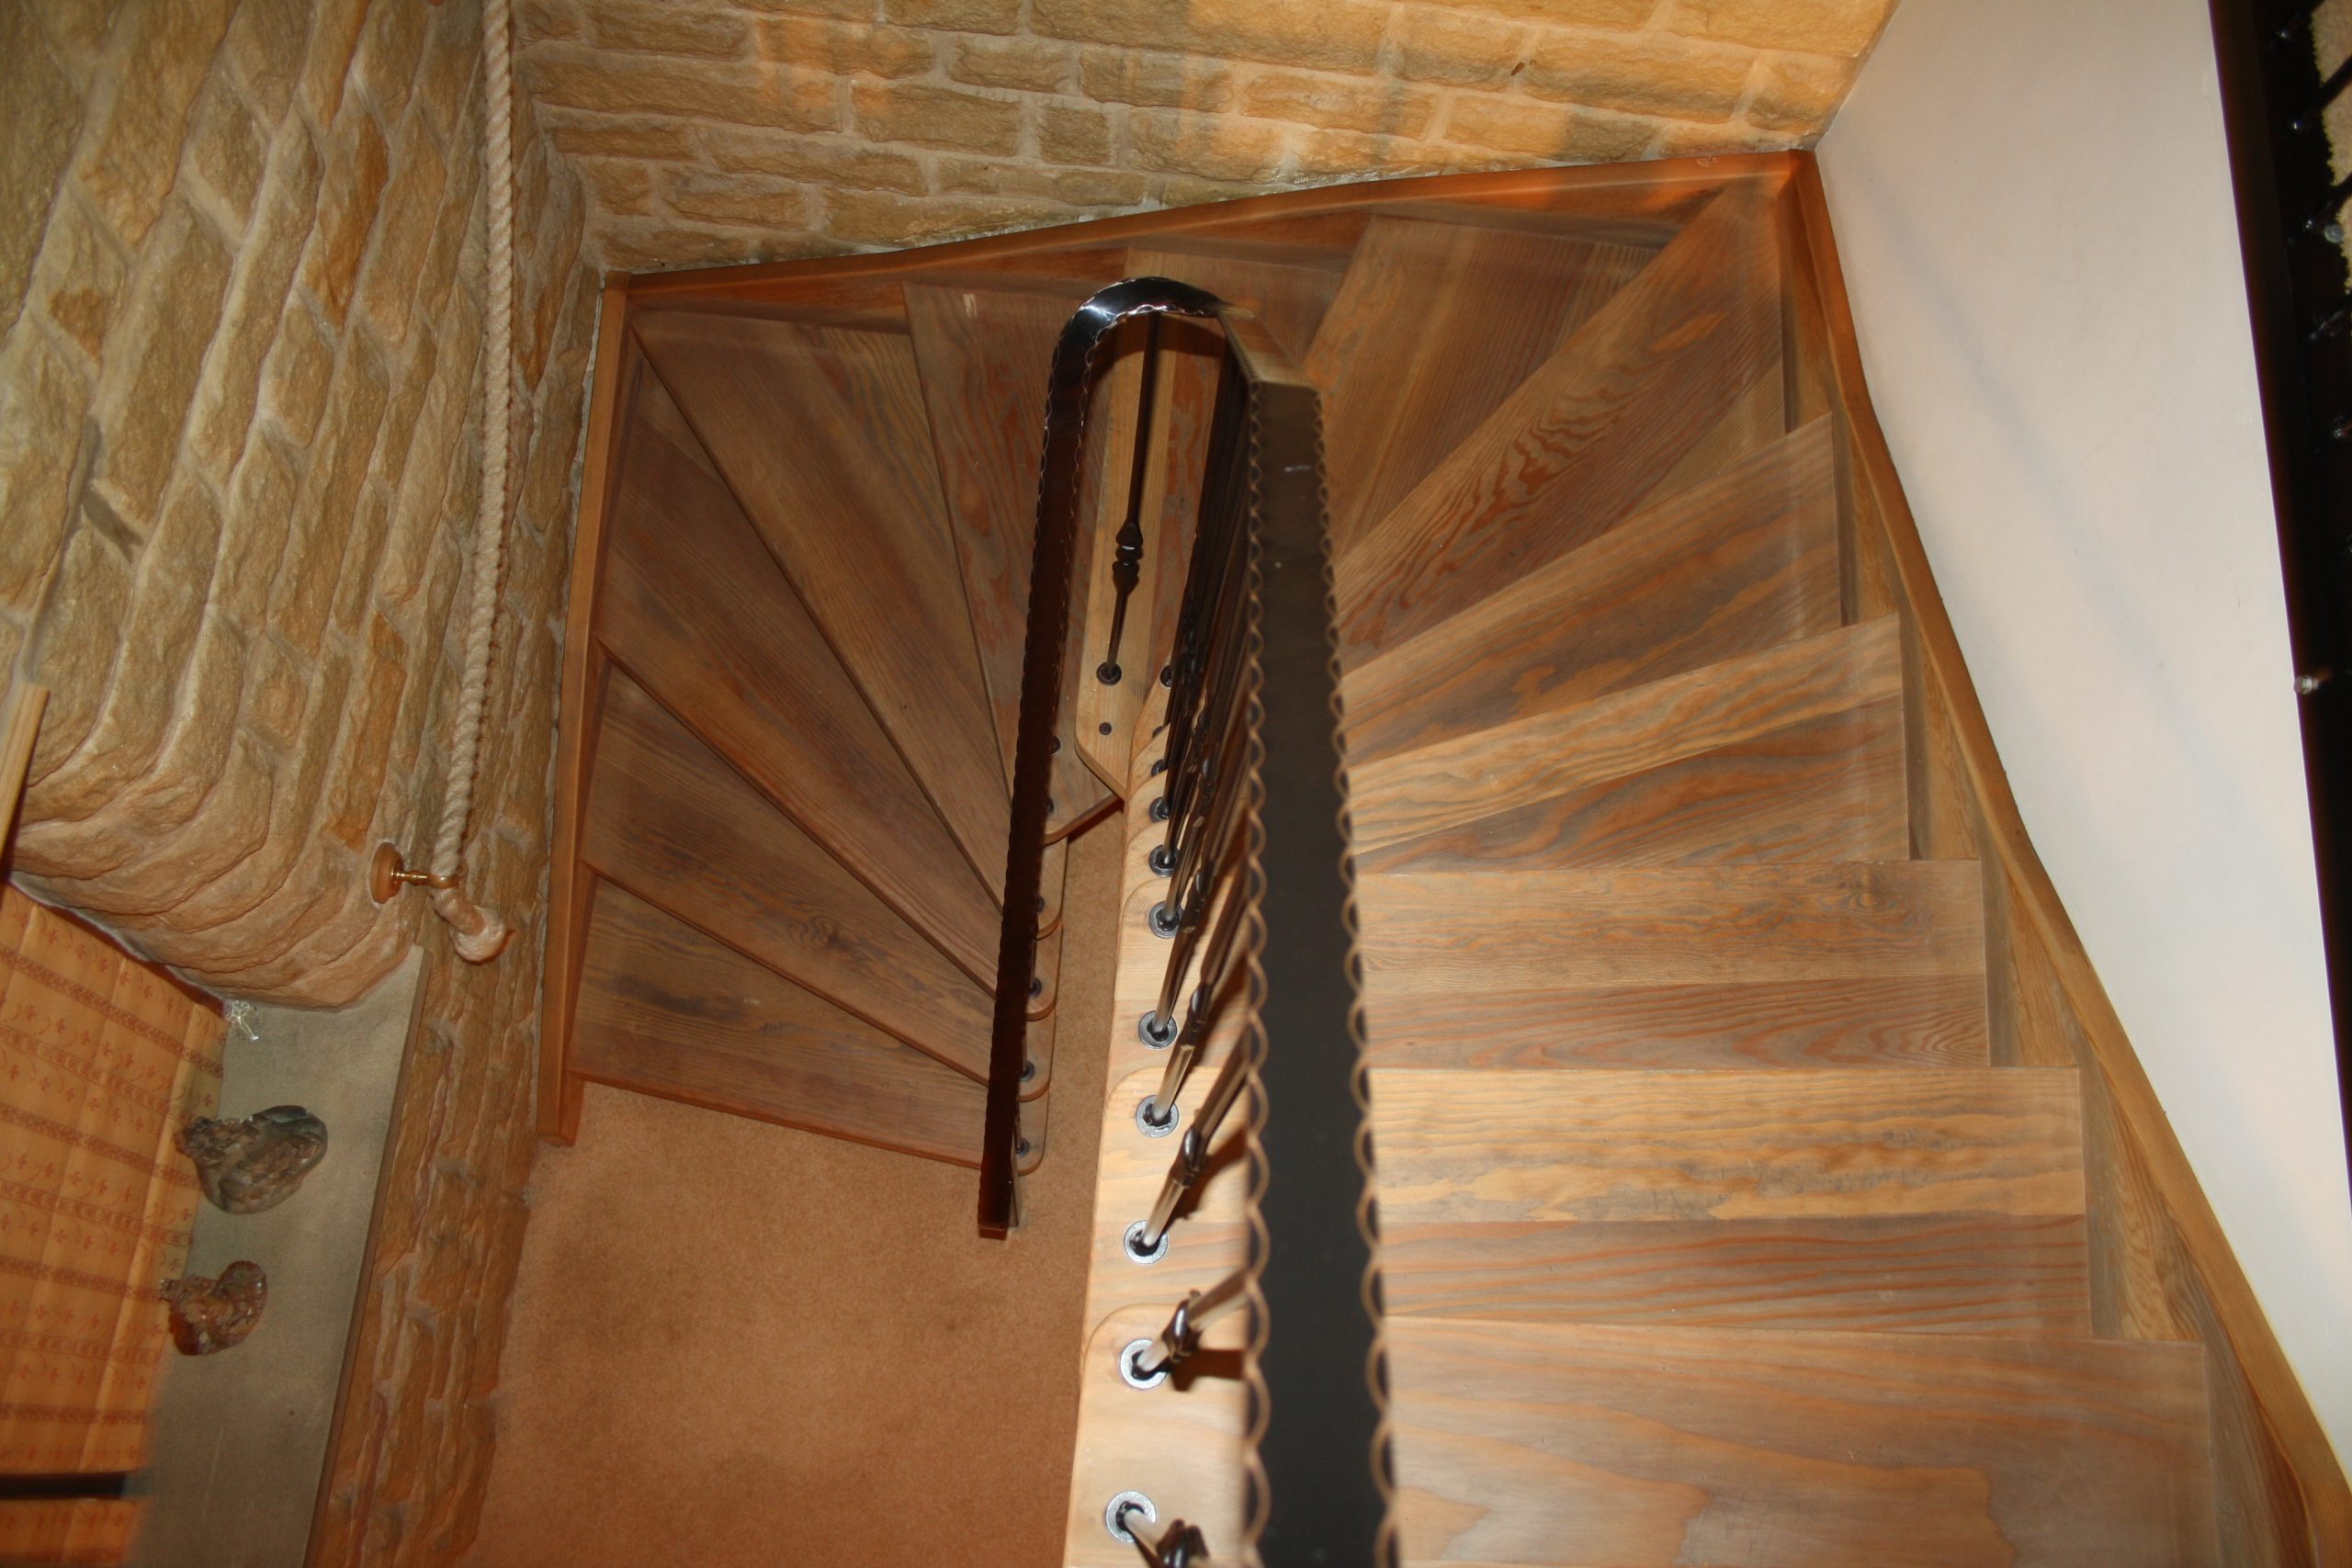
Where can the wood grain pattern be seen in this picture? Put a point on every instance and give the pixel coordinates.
(1828, 788)
(1455, 1147)
(822, 436)
(666, 1010)
(1186, 1448)
(1737, 565)
(1525, 1443)
(1943, 1274)
(1585, 438)
(985, 358)
(1923, 1020)
(1432, 327)
(1290, 298)
(610, 392)
(1564, 931)
(670, 822)
(1740, 707)
(694, 606)
(2283, 1495)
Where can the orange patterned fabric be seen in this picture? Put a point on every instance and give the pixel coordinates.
(101, 1058)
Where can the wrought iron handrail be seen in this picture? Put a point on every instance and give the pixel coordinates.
(1258, 919)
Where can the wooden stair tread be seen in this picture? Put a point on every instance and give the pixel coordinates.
(1584, 439)
(678, 829)
(1916, 1021)
(694, 608)
(1737, 565)
(1538, 1443)
(1434, 324)
(985, 355)
(1290, 298)
(1481, 1145)
(822, 433)
(1736, 760)
(664, 1010)
(1941, 1274)
(1565, 931)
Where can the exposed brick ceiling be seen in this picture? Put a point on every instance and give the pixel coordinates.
(710, 131)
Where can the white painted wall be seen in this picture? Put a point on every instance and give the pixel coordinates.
(2032, 202)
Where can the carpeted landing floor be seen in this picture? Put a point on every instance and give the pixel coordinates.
(740, 1344)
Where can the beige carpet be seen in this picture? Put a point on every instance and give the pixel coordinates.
(735, 1343)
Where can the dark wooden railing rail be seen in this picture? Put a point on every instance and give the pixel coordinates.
(1257, 915)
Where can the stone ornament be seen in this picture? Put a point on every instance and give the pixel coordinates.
(245, 1166)
(211, 1316)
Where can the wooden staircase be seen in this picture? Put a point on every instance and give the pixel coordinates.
(1762, 1177)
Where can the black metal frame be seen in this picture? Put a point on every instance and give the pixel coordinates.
(2288, 200)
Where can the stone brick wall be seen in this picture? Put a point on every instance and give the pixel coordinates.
(240, 334)
(239, 290)
(718, 131)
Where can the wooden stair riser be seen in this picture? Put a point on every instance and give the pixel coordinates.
(1456, 1146)
(1737, 565)
(1964, 1273)
(1561, 931)
(1795, 754)
(1520, 1443)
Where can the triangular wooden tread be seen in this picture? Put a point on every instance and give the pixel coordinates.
(821, 432)
(1532, 1443)
(1795, 754)
(1585, 438)
(1435, 325)
(1477, 1146)
(985, 355)
(664, 1010)
(674, 823)
(1941, 1274)
(694, 607)
(1737, 565)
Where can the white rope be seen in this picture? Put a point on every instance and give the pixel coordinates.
(479, 933)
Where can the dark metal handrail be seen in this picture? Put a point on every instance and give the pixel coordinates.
(2291, 238)
(1258, 917)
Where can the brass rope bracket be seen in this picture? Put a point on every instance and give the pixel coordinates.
(389, 873)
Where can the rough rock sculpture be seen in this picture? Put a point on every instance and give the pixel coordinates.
(209, 1315)
(256, 1162)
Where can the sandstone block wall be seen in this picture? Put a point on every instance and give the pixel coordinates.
(241, 325)
(239, 258)
(721, 131)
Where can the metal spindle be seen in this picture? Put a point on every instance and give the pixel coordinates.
(1189, 878)
(1146, 1239)
(1130, 1518)
(1204, 694)
(1157, 1114)
(1126, 561)
(1146, 1363)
